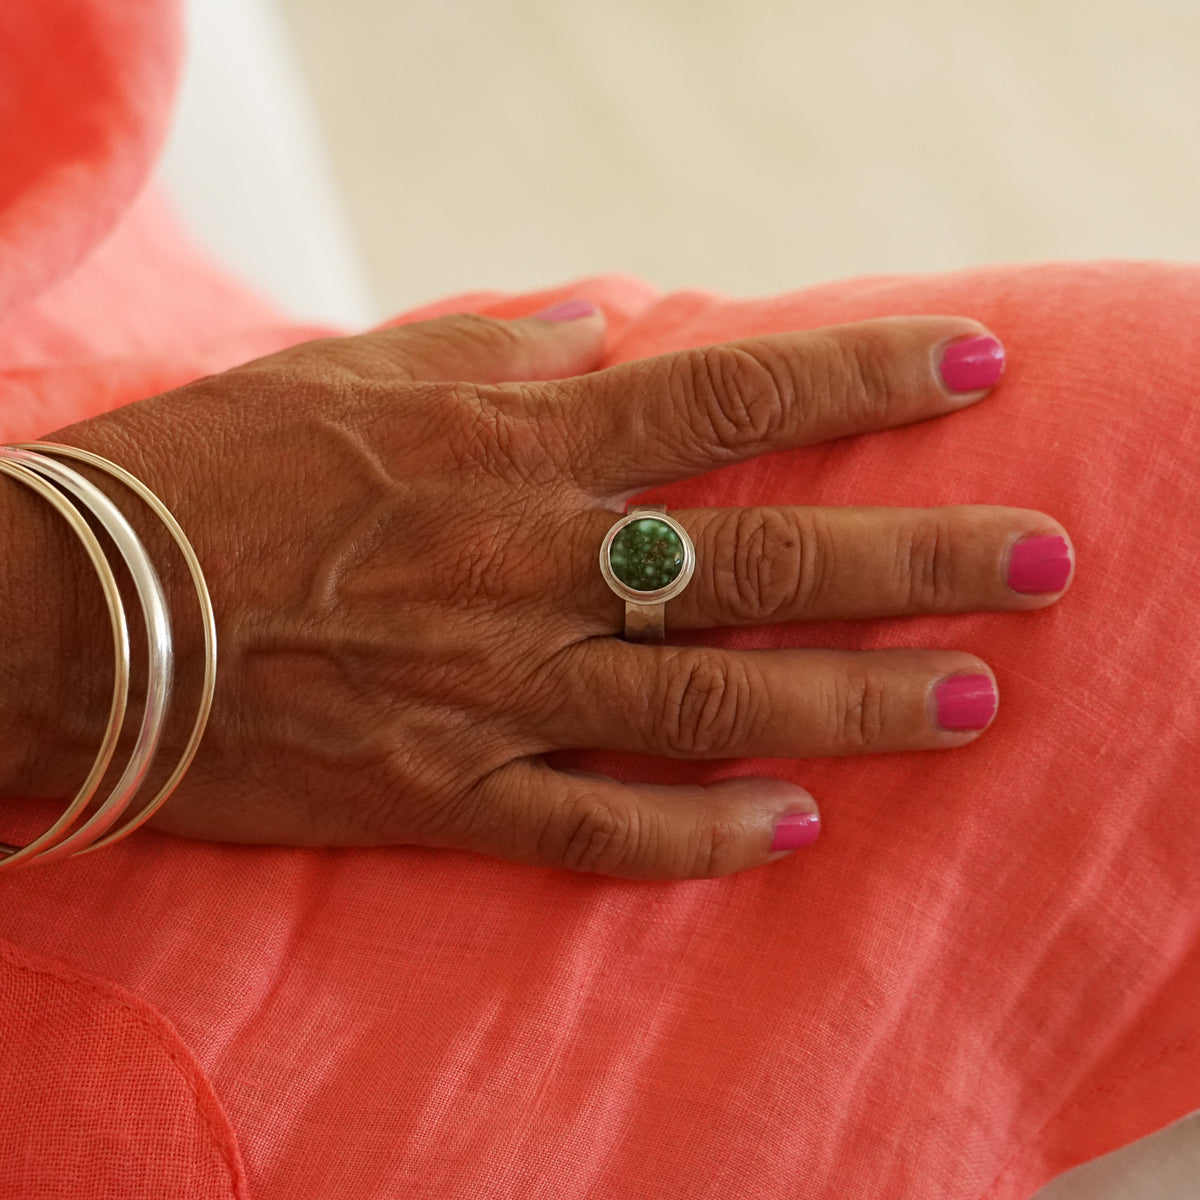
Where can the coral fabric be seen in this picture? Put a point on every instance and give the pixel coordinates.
(113, 1103)
(84, 92)
(986, 971)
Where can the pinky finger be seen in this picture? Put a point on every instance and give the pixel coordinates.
(544, 817)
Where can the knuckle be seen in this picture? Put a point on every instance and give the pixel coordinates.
(816, 567)
(479, 435)
(766, 568)
(707, 709)
(493, 435)
(739, 393)
(865, 388)
(595, 836)
(716, 849)
(927, 566)
(581, 433)
(398, 792)
(600, 838)
(858, 715)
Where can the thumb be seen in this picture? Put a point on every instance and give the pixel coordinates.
(527, 812)
(564, 340)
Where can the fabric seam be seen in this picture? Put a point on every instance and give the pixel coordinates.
(155, 1024)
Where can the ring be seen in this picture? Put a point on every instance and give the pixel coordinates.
(646, 558)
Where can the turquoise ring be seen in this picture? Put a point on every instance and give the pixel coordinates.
(647, 558)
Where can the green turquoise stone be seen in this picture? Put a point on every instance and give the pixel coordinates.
(646, 555)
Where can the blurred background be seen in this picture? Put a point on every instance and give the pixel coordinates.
(362, 157)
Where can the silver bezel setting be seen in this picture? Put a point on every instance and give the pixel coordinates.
(661, 594)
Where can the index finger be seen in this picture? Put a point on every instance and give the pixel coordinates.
(678, 415)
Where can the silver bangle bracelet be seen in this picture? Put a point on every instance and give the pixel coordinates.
(207, 618)
(158, 634)
(11, 856)
(33, 464)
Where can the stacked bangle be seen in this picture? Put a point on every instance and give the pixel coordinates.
(69, 492)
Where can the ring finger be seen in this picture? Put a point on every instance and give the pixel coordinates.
(772, 564)
(702, 702)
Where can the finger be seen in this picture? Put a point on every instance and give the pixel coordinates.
(757, 566)
(528, 813)
(699, 702)
(680, 414)
(564, 340)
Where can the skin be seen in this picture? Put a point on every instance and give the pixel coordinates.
(401, 548)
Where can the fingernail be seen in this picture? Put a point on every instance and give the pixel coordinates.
(800, 829)
(973, 364)
(1039, 564)
(567, 310)
(965, 702)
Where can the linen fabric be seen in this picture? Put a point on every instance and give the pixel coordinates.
(985, 971)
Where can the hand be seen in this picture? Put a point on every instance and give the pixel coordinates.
(402, 552)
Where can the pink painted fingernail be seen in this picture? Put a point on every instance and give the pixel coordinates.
(971, 365)
(567, 310)
(1039, 564)
(796, 831)
(965, 702)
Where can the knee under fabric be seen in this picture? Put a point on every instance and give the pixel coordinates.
(986, 971)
